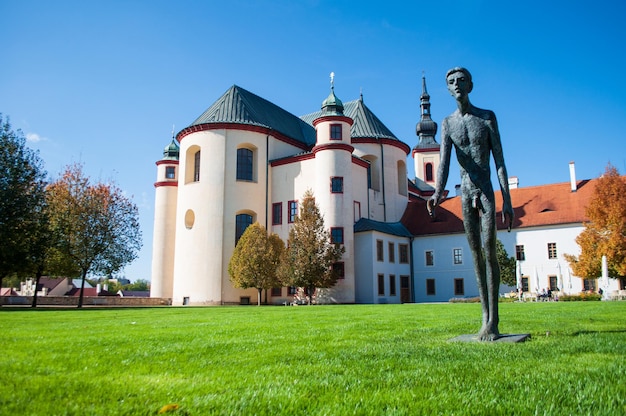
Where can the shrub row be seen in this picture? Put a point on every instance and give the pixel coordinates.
(580, 297)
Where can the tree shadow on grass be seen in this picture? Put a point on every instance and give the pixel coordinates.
(608, 331)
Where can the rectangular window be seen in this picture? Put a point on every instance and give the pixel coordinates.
(381, 285)
(457, 253)
(459, 287)
(430, 258)
(589, 285)
(430, 287)
(379, 251)
(552, 251)
(292, 207)
(335, 132)
(292, 290)
(336, 235)
(340, 269)
(170, 172)
(553, 283)
(242, 222)
(277, 213)
(392, 285)
(519, 253)
(336, 185)
(357, 211)
(196, 166)
(277, 291)
(244, 165)
(525, 284)
(404, 253)
(392, 252)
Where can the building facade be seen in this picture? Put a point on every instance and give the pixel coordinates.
(246, 160)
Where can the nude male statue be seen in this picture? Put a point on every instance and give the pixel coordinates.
(474, 134)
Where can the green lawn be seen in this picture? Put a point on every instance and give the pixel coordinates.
(331, 360)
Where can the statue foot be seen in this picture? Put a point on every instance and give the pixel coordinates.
(488, 334)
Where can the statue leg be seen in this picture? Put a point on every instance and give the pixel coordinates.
(471, 222)
(489, 232)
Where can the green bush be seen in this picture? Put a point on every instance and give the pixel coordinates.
(581, 297)
(465, 300)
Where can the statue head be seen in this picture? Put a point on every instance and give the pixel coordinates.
(466, 75)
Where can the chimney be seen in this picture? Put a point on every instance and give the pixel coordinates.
(457, 190)
(513, 182)
(572, 176)
(98, 288)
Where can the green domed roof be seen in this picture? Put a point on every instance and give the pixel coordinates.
(171, 151)
(332, 105)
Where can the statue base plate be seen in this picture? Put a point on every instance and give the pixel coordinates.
(503, 338)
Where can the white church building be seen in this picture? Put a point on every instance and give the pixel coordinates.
(246, 160)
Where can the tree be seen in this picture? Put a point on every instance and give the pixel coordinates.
(255, 260)
(138, 285)
(24, 234)
(310, 255)
(605, 233)
(507, 265)
(96, 226)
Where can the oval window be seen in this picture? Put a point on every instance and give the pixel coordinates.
(190, 218)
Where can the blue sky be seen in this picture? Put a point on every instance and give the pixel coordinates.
(102, 82)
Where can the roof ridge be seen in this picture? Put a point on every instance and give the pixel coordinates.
(240, 106)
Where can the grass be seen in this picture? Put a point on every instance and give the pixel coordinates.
(330, 360)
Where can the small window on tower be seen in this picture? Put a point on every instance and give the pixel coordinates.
(170, 172)
(336, 235)
(335, 132)
(336, 185)
(429, 172)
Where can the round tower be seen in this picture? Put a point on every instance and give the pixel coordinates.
(426, 152)
(163, 239)
(333, 181)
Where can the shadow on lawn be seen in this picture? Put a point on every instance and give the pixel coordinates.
(588, 332)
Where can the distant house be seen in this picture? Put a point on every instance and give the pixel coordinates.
(47, 287)
(548, 219)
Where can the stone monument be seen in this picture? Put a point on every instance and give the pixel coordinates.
(474, 135)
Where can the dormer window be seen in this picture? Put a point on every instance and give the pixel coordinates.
(335, 132)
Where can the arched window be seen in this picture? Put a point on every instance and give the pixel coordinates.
(192, 164)
(373, 172)
(196, 167)
(402, 178)
(429, 172)
(245, 164)
(242, 221)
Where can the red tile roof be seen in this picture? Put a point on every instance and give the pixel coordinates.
(7, 291)
(533, 206)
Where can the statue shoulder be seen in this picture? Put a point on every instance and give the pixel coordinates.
(484, 114)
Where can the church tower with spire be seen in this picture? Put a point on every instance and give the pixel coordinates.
(333, 178)
(165, 203)
(426, 152)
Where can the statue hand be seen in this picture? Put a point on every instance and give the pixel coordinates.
(508, 216)
(431, 204)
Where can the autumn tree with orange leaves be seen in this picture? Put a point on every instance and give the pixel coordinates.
(605, 233)
(95, 226)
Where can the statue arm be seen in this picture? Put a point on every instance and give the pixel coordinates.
(503, 177)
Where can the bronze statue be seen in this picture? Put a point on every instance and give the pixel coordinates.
(474, 134)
